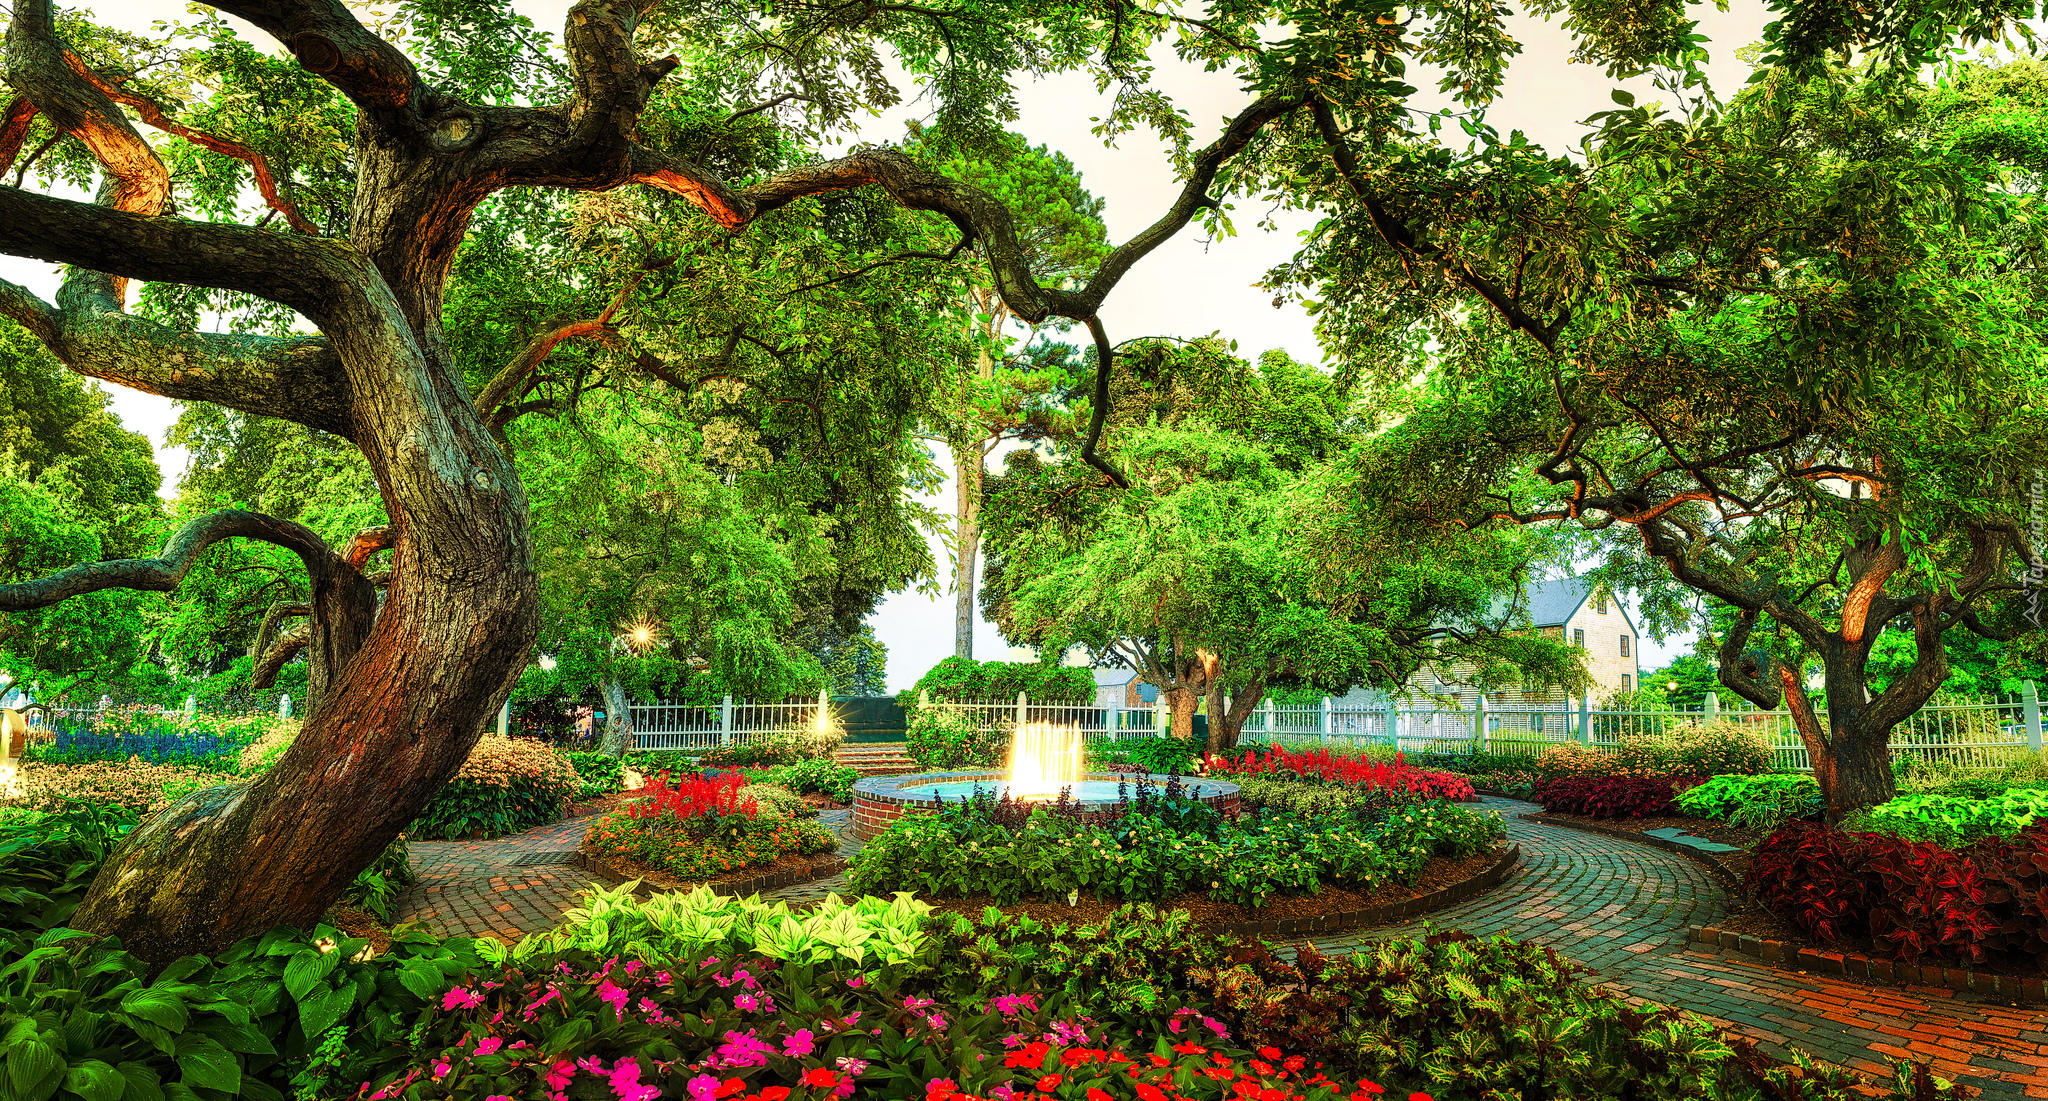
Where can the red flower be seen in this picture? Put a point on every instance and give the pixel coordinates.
(1420, 1097)
(1370, 1086)
(1052, 1082)
(1264, 1068)
(1189, 1047)
(1269, 1053)
(730, 1086)
(1149, 1092)
(775, 1093)
(1097, 1095)
(825, 1078)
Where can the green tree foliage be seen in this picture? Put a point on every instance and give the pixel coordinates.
(1217, 575)
(1785, 366)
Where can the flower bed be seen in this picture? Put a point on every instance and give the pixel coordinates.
(131, 785)
(1395, 777)
(1159, 846)
(1606, 796)
(694, 996)
(697, 829)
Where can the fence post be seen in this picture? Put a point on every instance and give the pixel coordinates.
(1479, 722)
(2030, 700)
(725, 721)
(823, 723)
(1393, 721)
(1267, 707)
(1586, 719)
(284, 707)
(1326, 727)
(1160, 719)
(1113, 717)
(924, 698)
(1022, 714)
(505, 718)
(1711, 706)
(191, 708)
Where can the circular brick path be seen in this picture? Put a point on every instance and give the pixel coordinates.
(1615, 906)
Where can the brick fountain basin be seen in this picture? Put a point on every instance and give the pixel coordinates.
(881, 800)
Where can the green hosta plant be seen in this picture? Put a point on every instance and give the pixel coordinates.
(1950, 820)
(1753, 802)
(679, 925)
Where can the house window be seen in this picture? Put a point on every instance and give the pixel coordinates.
(1624, 646)
(1624, 683)
(1600, 603)
(1578, 637)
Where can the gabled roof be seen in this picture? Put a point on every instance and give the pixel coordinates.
(1112, 678)
(1554, 603)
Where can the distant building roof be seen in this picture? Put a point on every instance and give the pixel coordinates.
(1551, 603)
(1110, 678)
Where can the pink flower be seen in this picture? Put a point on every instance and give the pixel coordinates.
(743, 1049)
(799, 1043)
(745, 1002)
(703, 1088)
(560, 1073)
(544, 999)
(488, 1044)
(859, 981)
(614, 995)
(440, 1069)
(1009, 1005)
(626, 1082)
(461, 998)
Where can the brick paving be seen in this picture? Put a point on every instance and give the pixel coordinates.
(1614, 906)
(1622, 908)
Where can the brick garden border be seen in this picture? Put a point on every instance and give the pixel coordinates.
(1726, 877)
(1376, 915)
(1855, 965)
(653, 882)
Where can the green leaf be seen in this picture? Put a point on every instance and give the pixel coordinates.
(322, 1010)
(160, 1008)
(1626, 99)
(142, 1083)
(424, 980)
(28, 1063)
(208, 1066)
(95, 1081)
(305, 971)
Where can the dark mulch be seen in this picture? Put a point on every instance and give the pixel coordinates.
(1436, 875)
(357, 922)
(603, 804)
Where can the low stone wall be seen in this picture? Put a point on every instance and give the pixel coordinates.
(879, 801)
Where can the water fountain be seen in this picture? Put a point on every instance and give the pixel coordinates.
(1045, 760)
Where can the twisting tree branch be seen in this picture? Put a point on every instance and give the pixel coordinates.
(14, 123)
(368, 542)
(275, 615)
(264, 675)
(163, 573)
(1105, 356)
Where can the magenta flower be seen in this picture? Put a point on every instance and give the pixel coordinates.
(461, 998)
(743, 1049)
(488, 1044)
(857, 982)
(440, 1069)
(799, 1043)
(614, 995)
(626, 1082)
(1009, 1005)
(703, 1088)
(746, 1002)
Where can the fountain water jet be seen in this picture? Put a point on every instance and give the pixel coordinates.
(1044, 760)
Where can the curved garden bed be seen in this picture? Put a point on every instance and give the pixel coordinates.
(785, 871)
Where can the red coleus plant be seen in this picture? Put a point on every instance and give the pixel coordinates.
(1913, 898)
(1349, 771)
(694, 797)
(1606, 796)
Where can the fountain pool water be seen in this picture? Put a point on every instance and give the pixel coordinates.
(1083, 791)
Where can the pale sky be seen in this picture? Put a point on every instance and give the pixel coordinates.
(1190, 286)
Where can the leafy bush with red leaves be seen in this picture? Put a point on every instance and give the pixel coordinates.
(1910, 898)
(1606, 796)
(1396, 778)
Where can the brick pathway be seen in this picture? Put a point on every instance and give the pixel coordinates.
(1614, 906)
(1622, 908)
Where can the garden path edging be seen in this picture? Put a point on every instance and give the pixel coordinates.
(1457, 892)
(1856, 965)
(1726, 877)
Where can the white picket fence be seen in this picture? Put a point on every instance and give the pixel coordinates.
(1977, 735)
(730, 722)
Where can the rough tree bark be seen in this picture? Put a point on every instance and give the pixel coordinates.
(967, 475)
(618, 721)
(407, 685)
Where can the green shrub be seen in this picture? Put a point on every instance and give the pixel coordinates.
(1718, 748)
(1159, 756)
(818, 775)
(779, 802)
(941, 740)
(597, 773)
(1753, 802)
(957, 679)
(507, 785)
(1301, 797)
